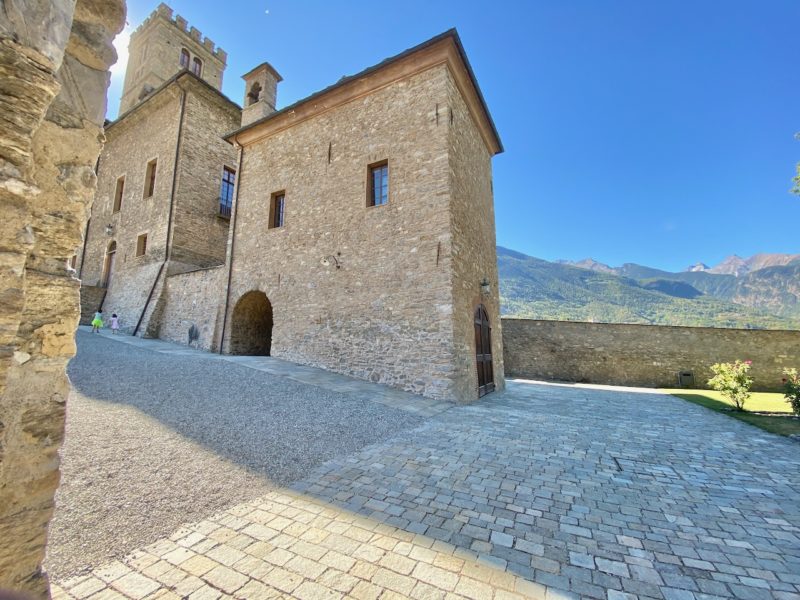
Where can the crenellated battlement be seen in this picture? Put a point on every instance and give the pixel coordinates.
(166, 13)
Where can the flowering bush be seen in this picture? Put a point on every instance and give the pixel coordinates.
(732, 381)
(791, 389)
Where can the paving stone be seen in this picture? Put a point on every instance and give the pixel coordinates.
(478, 505)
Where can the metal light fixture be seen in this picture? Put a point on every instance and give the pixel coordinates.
(109, 229)
(485, 286)
(327, 261)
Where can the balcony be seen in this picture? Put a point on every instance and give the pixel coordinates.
(224, 209)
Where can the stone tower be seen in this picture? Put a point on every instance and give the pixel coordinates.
(160, 48)
(260, 93)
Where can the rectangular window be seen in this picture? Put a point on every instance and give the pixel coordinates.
(277, 207)
(150, 179)
(141, 245)
(378, 184)
(118, 194)
(226, 192)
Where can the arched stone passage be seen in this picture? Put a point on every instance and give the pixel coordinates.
(251, 325)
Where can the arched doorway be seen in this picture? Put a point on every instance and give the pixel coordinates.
(483, 351)
(108, 264)
(251, 325)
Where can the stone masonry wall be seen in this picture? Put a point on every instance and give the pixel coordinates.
(151, 132)
(200, 236)
(642, 355)
(91, 299)
(386, 314)
(196, 298)
(54, 59)
(474, 249)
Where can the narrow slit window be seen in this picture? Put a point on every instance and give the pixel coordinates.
(277, 210)
(184, 58)
(226, 191)
(378, 184)
(150, 179)
(141, 245)
(118, 191)
(197, 66)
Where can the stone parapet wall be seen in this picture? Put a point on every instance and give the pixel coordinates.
(642, 355)
(194, 299)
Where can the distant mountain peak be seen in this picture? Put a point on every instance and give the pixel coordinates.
(589, 263)
(738, 266)
(697, 268)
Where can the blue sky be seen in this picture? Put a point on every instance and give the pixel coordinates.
(641, 131)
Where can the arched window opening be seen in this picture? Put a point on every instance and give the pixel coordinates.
(197, 66)
(254, 94)
(184, 58)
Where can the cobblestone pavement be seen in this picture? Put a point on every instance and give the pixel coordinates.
(542, 491)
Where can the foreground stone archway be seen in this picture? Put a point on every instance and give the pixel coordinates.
(54, 61)
(251, 325)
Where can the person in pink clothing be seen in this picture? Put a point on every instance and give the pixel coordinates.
(114, 324)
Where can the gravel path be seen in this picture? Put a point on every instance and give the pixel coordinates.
(154, 441)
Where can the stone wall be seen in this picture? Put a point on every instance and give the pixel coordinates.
(473, 238)
(194, 298)
(186, 110)
(147, 134)
(642, 355)
(91, 299)
(386, 314)
(54, 59)
(200, 235)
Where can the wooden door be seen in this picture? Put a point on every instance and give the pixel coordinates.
(483, 351)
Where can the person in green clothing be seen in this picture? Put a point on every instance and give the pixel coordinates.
(97, 322)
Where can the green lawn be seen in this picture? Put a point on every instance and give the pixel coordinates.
(759, 401)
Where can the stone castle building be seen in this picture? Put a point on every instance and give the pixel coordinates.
(358, 235)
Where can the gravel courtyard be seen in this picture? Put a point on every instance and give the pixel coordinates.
(541, 491)
(157, 440)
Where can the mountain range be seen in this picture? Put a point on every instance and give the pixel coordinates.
(760, 292)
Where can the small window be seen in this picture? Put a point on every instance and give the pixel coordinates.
(197, 66)
(378, 184)
(120, 188)
(141, 245)
(150, 179)
(226, 192)
(277, 207)
(184, 58)
(73, 261)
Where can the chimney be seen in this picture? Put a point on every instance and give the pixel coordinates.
(260, 93)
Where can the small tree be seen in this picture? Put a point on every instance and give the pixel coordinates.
(791, 389)
(732, 381)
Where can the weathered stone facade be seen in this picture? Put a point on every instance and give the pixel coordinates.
(179, 126)
(194, 299)
(54, 60)
(642, 355)
(385, 293)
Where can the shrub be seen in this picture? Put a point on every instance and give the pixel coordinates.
(791, 389)
(732, 381)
